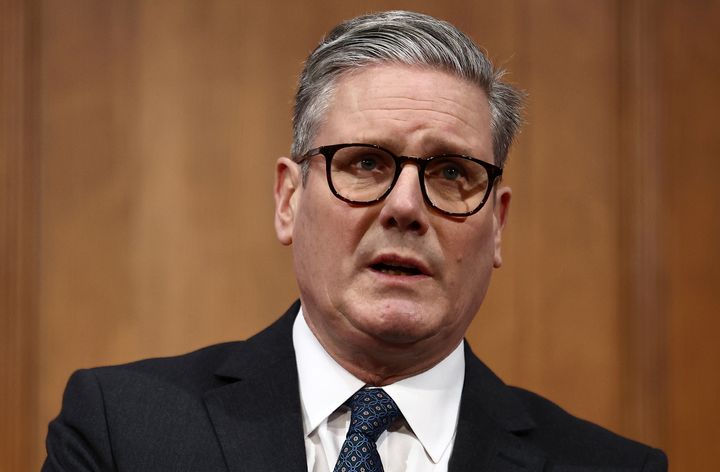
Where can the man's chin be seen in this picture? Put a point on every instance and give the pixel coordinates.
(401, 338)
(399, 328)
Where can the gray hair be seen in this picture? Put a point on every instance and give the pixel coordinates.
(406, 38)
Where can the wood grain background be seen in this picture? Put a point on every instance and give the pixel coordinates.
(137, 142)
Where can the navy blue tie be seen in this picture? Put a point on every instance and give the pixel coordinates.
(371, 412)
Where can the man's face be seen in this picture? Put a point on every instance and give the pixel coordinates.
(341, 251)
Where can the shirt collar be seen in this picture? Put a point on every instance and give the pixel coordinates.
(429, 401)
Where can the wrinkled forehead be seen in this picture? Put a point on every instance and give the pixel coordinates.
(397, 106)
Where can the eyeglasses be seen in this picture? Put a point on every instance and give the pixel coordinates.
(364, 174)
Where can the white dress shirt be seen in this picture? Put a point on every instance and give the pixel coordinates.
(429, 402)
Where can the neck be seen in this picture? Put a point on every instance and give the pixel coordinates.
(385, 363)
(379, 357)
(380, 374)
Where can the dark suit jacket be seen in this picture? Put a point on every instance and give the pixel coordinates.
(236, 407)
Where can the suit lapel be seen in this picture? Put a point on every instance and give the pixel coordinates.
(257, 414)
(490, 417)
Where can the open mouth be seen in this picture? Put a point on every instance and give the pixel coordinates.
(396, 269)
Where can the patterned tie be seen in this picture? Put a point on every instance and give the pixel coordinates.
(372, 411)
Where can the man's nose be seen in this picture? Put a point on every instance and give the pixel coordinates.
(404, 208)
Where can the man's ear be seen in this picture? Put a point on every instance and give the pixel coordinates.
(287, 191)
(500, 213)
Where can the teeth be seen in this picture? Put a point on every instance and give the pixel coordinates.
(396, 269)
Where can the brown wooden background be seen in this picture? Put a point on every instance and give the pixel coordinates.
(137, 141)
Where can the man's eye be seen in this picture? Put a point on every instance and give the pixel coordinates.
(368, 163)
(371, 163)
(451, 172)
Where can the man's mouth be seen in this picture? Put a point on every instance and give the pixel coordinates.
(395, 269)
(394, 264)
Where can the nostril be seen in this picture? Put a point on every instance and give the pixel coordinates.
(414, 226)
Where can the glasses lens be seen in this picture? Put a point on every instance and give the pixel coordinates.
(361, 173)
(456, 184)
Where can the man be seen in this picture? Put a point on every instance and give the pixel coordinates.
(394, 208)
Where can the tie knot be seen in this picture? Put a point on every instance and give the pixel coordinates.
(372, 411)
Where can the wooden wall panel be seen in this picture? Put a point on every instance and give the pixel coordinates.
(18, 223)
(639, 173)
(691, 229)
(159, 126)
(563, 250)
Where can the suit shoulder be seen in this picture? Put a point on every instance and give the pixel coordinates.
(194, 370)
(572, 440)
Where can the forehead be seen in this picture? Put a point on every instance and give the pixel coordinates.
(409, 109)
